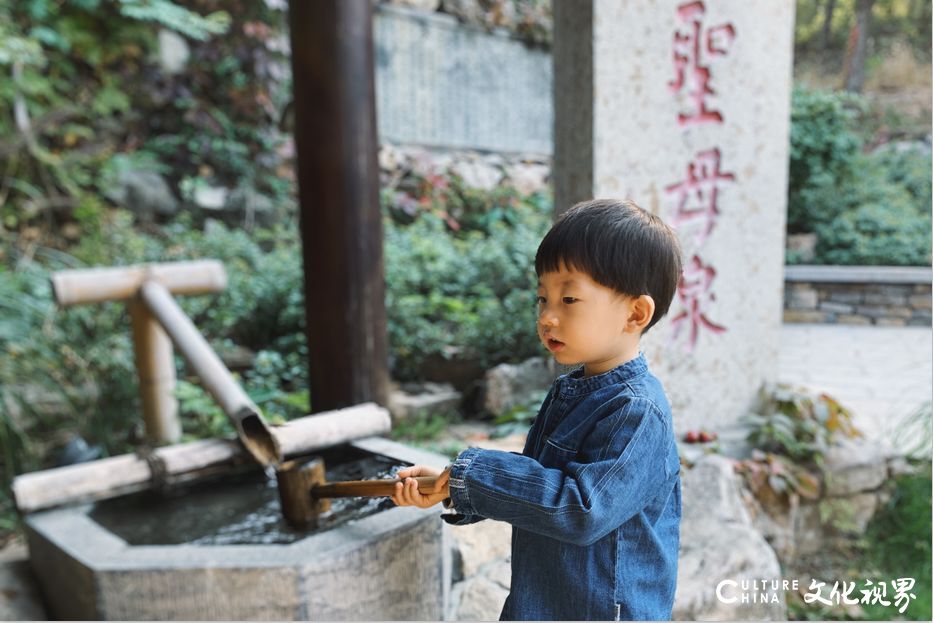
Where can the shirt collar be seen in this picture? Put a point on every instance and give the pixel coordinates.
(574, 384)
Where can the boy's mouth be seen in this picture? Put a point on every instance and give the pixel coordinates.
(554, 345)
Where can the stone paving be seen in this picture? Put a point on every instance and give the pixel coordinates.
(882, 374)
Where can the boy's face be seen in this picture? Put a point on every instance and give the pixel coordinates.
(581, 321)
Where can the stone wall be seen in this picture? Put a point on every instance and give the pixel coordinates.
(441, 83)
(883, 296)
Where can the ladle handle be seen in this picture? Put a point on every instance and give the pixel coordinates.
(369, 488)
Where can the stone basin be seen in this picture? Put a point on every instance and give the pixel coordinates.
(393, 564)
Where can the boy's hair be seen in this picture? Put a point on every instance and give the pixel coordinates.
(620, 246)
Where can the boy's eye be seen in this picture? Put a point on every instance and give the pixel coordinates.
(540, 300)
(569, 299)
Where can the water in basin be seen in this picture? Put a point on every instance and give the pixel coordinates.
(241, 509)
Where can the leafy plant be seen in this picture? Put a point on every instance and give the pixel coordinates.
(464, 294)
(519, 418)
(772, 474)
(797, 424)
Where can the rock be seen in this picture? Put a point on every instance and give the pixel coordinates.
(211, 197)
(237, 358)
(849, 515)
(528, 178)
(468, 10)
(391, 159)
(173, 52)
(854, 466)
(480, 600)
(718, 543)
(802, 297)
(77, 451)
(422, 5)
(250, 206)
(145, 193)
(500, 573)
(481, 543)
(804, 245)
(509, 385)
(428, 397)
(477, 174)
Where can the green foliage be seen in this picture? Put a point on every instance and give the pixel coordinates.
(866, 209)
(899, 538)
(519, 418)
(790, 433)
(891, 20)
(59, 367)
(85, 98)
(797, 424)
(915, 433)
(468, 293)
(823, 150)
(421, 427)
(176, 18)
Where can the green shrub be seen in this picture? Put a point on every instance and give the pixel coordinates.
(866, 209)
(468, 294)
(876, 234)
(823, 150)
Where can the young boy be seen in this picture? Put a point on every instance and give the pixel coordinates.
(594, 498)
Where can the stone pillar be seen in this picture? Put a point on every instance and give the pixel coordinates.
(684, 108)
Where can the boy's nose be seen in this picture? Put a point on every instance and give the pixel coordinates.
(547, 319)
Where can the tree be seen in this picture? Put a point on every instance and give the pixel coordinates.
(857, 51)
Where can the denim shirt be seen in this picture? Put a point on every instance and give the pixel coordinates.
(593, 499)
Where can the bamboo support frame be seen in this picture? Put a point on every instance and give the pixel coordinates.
(155, 365)
(128, 473)
(96, 285)
(242, 411)
(155, 368)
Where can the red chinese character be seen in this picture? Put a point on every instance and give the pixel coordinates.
(694, 293)
(689, 52)
(697, 196)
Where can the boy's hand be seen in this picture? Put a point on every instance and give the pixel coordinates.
(407, 494)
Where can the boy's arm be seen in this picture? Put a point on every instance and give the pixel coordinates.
(458, 517)
(597, 491)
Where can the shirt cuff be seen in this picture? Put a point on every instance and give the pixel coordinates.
(459, 494)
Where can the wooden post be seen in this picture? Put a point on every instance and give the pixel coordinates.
(340, 218)
(155, 368)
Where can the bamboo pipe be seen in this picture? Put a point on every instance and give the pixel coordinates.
(128, 473)
(95, 285)
(242, 411)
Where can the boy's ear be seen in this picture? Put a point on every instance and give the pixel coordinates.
(642, 311)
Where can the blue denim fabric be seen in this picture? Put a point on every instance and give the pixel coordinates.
(594, 500)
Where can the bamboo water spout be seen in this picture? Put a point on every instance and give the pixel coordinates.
(242, 411)
(156, 318)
